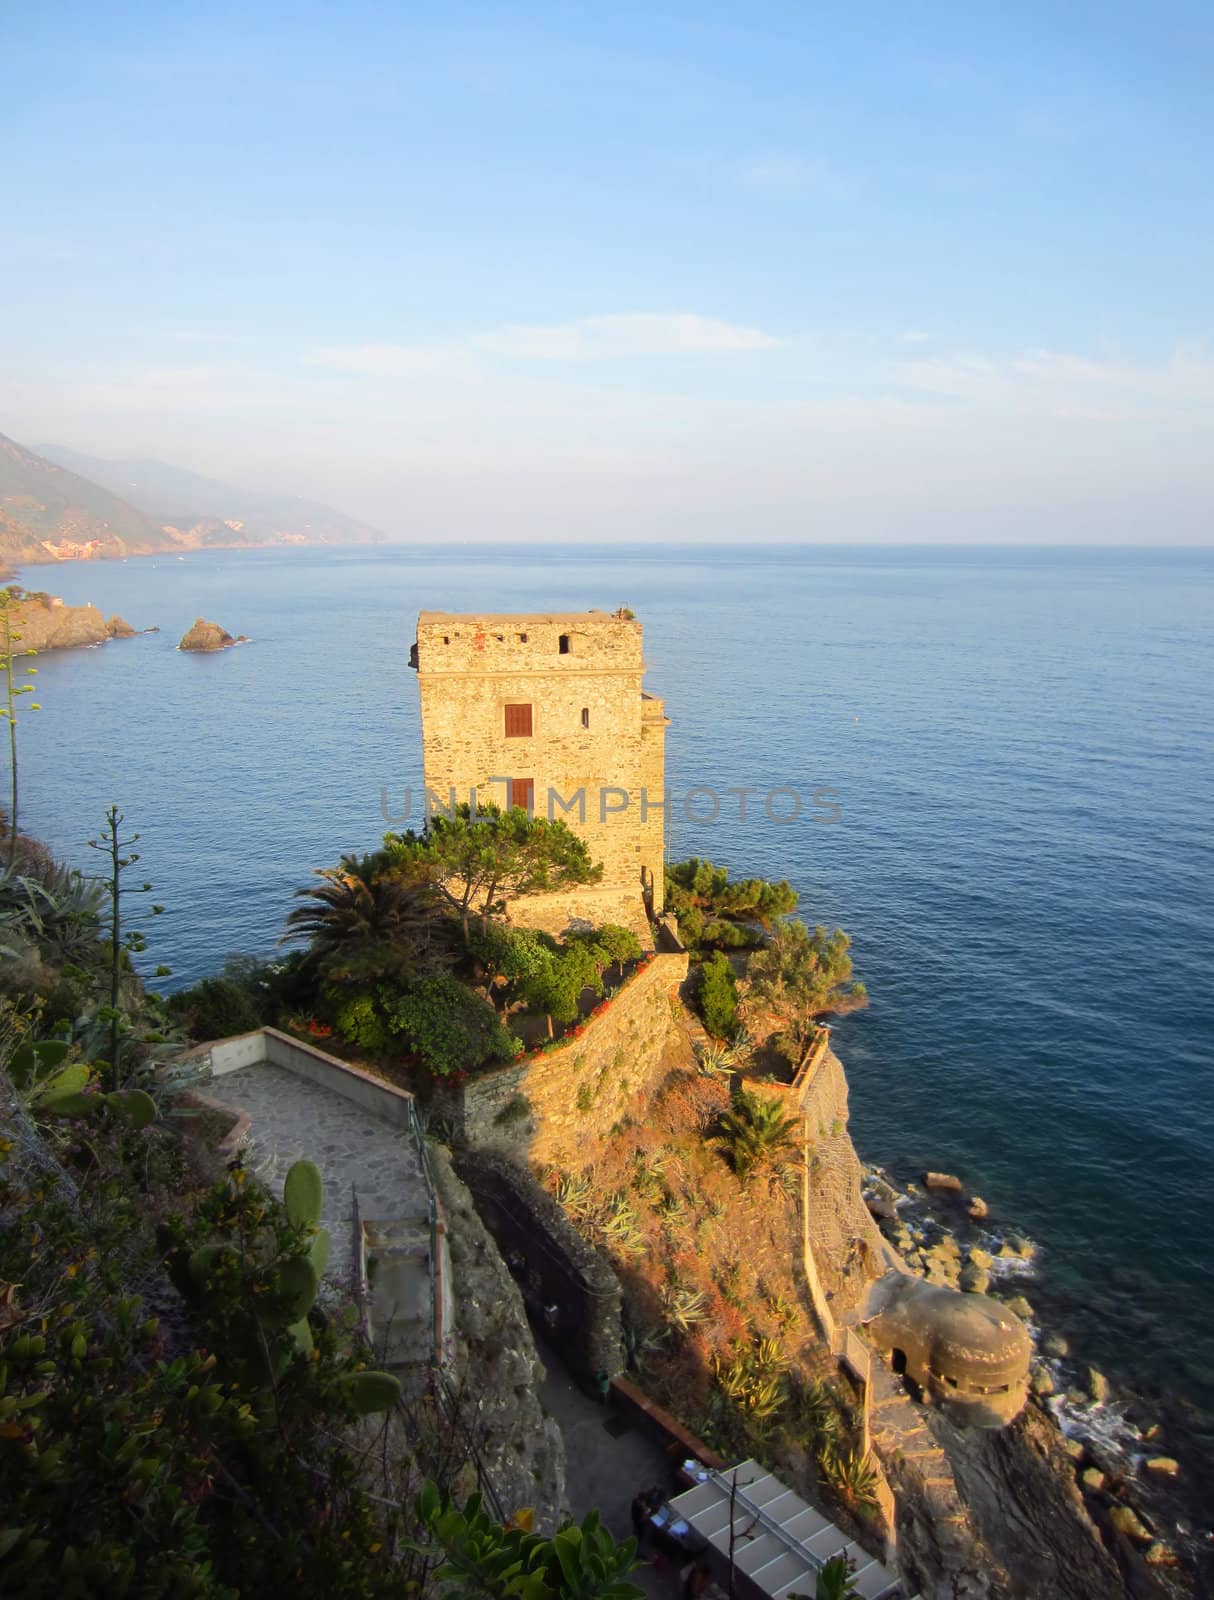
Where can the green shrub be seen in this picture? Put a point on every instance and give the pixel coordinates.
(452, 1029)
(359, 1020)
(214, 1009)
(717, 996)
(517, 1109)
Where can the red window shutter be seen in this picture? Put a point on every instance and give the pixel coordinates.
(518, 722)
(522, 792)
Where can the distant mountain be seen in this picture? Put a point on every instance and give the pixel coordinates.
(186, 500)
(46, 511)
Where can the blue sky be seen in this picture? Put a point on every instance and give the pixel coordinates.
(717, 272)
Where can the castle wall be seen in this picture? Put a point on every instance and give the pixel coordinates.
(585, 1086)
(595, 744)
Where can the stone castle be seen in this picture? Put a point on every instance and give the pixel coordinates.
(549, 712)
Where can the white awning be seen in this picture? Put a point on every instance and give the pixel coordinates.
(779, 1542)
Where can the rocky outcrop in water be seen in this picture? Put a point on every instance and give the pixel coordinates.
(204, 636)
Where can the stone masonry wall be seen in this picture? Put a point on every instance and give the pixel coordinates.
(584, 1087)
(592, 728)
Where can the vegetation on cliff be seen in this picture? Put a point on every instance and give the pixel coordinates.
(714, 913)
(179, 1413)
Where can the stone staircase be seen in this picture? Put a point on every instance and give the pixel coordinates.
(905, 1445)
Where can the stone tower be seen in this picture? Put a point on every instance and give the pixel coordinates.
(548, 712)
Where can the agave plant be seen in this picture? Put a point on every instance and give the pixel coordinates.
(58, 912)
(818, 1416)
(850, 1474)
(575, 1193)
(714, 1060)
(835, 1580)
(753, 1380)
(617, 1226)
(684, 1308)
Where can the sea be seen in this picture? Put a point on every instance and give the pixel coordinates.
(994, 767)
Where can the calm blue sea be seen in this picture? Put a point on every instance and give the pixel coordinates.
(1022, 747)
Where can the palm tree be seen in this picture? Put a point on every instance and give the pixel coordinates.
(752, 1131)
(365, 920)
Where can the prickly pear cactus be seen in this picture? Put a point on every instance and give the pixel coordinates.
(303, 1194)
(372, 1391)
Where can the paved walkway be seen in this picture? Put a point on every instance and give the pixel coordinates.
(603, 1473)
(354, 1149)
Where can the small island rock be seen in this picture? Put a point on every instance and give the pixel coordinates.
(977, 1210)
(207, 636)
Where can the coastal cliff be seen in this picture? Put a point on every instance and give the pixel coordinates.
(42, 622)
(990, 1514)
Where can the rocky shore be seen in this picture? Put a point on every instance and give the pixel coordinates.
(42, 622)
(1114, 1471)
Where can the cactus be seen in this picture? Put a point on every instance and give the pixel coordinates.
(203, 1262)
(30, 1062)
(371, 1391)
(295, 1285)
(318, 1251)
(303, 1194)
(301, 1332)
(60, 1093)
(136, 1105)
(64, 1085)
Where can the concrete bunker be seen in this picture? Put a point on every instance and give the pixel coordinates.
(966, 1352)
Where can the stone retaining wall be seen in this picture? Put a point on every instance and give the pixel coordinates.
(548, 1104)
(569, 1288)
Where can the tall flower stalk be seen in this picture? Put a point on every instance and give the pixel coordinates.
(10, 639)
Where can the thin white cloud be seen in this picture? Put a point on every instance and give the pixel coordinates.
(1062, 384)
(622, 337)
(395, 360)
(913, 336)
(607, 338)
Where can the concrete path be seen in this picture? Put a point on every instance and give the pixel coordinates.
(602, 1472)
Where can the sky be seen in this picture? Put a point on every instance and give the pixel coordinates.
(882, 273)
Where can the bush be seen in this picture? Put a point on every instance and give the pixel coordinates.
(245, 994)
(215, 1008)
(359, 1021)
(452, 1029)
(717, 996)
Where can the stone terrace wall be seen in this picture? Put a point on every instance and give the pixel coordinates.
(584, 1087)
